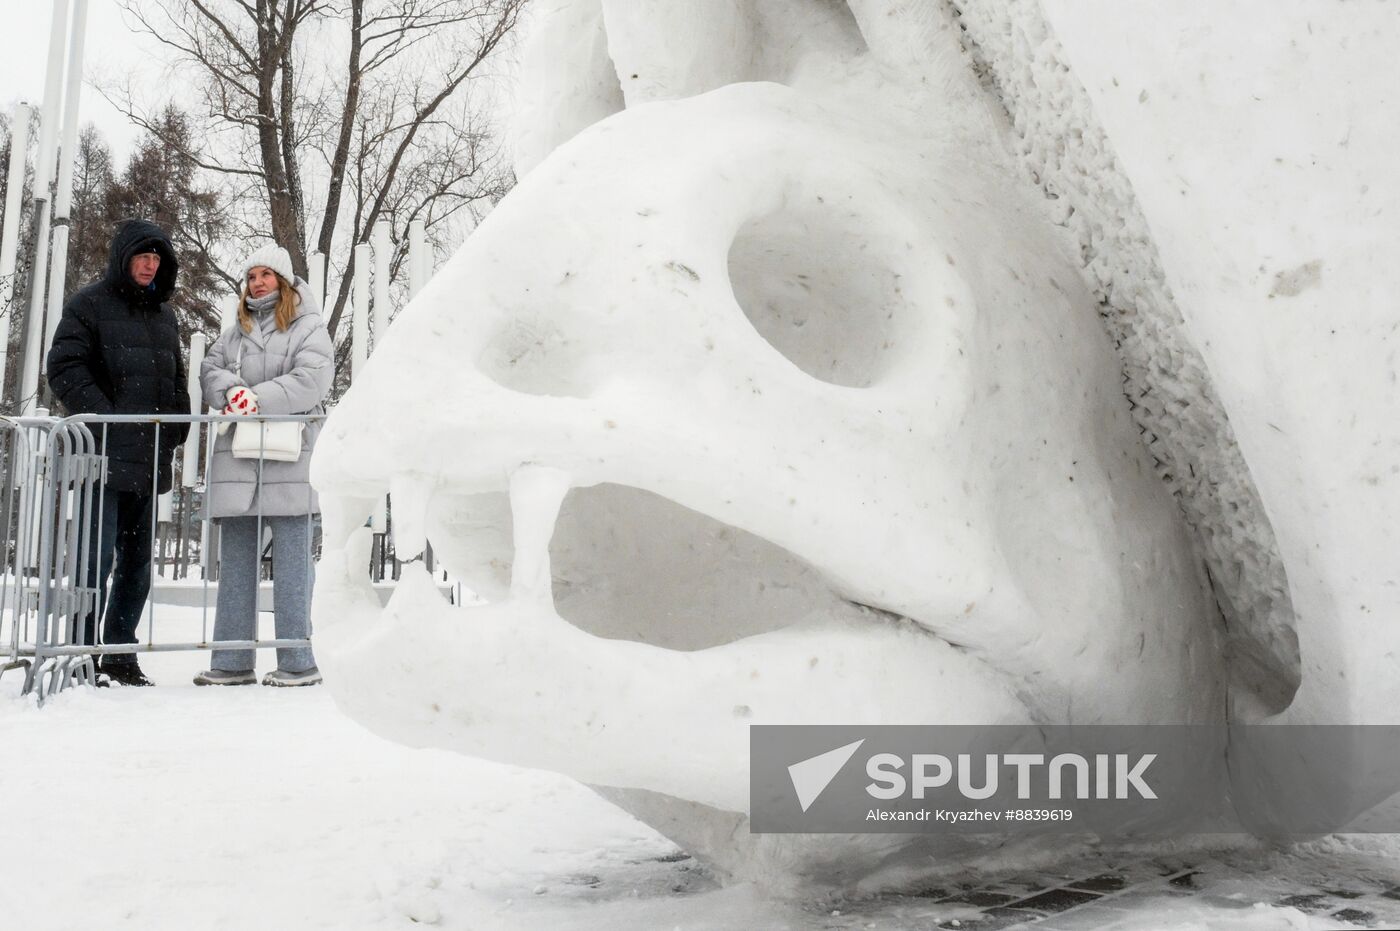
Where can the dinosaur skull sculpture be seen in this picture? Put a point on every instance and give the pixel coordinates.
(806, 451)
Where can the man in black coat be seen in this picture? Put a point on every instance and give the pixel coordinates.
(117, 351)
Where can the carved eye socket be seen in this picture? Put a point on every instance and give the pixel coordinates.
(815, 283)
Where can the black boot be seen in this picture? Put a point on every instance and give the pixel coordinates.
(100, 679)
(124, 672)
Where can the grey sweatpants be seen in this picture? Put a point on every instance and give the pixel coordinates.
(236, 612)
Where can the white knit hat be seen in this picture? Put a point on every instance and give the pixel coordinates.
(274, 257)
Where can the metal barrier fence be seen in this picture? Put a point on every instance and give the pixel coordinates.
(54, 481)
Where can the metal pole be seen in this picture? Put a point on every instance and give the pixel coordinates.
(28, 390)
(165, 508)
(417, 257)
(228, 312)
(155, 527)
(63, 197)
(9, 235)
(44, 633)
(189, 465)
(360, 349)
(382, 254)
(189, 461)
(208, 532)
(359, 312)
(418, 266)
(316, 268)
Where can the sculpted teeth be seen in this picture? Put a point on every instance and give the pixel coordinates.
(341, 516)
(536, 493)
(410, 495)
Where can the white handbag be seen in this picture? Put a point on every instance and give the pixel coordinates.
(279, 441)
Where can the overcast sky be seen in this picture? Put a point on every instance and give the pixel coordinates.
(111, 49)
(112, 53)
(115, 55)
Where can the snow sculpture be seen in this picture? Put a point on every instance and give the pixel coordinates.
(768, 396)
(1247, 199)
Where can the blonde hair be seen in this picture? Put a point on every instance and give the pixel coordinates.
(286, 312)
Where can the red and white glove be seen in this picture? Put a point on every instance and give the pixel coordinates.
(240, 401)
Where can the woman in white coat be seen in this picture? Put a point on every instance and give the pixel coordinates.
(277, 358)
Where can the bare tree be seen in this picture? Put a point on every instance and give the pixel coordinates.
(158, 183)
(366, 103)
(91, 227)
(162, 184)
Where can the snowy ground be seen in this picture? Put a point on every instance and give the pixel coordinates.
(178, 807)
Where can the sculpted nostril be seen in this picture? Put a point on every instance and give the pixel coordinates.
(533, 355)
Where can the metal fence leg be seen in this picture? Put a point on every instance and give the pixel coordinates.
(53, 497)
(12, 449)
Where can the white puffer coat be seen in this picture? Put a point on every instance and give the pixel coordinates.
(291, 373)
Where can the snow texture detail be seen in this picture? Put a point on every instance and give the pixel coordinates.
(1063, 151)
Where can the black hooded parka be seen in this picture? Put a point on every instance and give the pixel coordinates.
(117, 351)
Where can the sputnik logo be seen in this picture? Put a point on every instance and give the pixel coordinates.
(811, 776)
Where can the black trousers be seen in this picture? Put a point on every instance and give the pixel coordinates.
(120, 548)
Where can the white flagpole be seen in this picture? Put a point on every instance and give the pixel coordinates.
(363, 308)
(43, 177)
(417, 257)
(189, 466)
(382, 253)
(67, 153)
(9, 233)
(359, 312)
(316, 268)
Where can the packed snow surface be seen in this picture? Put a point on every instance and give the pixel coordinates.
(248, 808)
